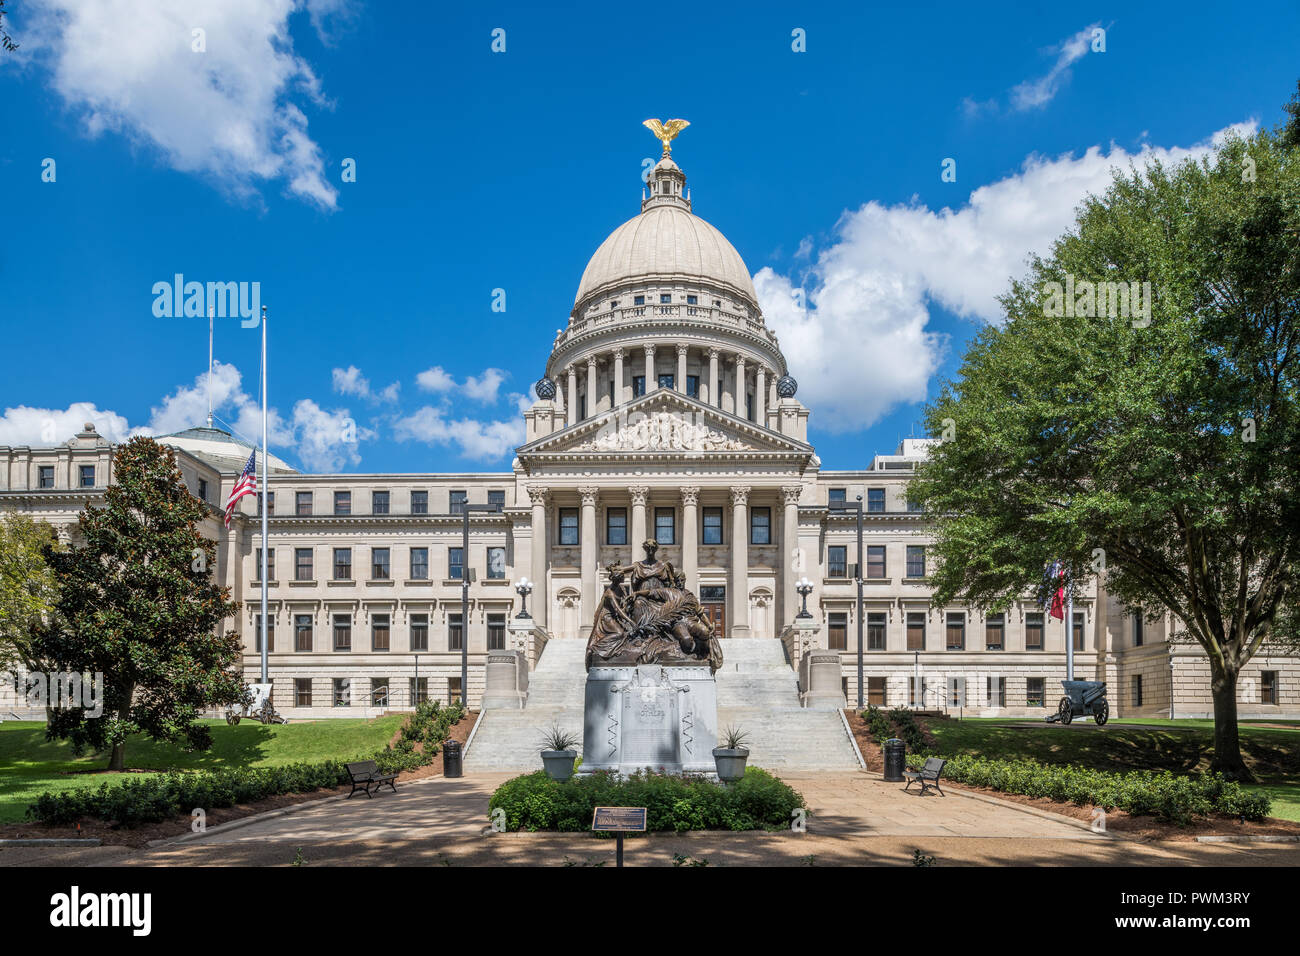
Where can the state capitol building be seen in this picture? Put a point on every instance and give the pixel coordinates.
(666, 410)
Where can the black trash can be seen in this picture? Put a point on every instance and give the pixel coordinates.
(895, 759)
(451, 760)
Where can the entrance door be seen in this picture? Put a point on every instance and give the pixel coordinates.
(713, 600)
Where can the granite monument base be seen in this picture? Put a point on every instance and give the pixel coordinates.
(661, 717)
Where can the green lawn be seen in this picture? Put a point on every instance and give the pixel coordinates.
(30, 765)
(1181, 746)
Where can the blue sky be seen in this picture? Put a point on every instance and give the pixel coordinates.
(479, 170)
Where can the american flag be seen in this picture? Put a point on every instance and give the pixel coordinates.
(246, 485)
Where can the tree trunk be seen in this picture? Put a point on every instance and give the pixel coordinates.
(117, 761)
(1227, 746)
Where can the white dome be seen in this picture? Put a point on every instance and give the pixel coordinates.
(665, 241)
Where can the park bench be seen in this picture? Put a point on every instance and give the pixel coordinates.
(365, 774)
(927, 776)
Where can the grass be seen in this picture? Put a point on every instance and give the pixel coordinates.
(1180, 746)
(31, 765)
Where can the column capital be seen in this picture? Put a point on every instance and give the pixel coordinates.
(682, 348)
(649, 349)
(690, 494)
(589, 495)
(791, 494)
(618, 353)
(740, 358)
(740, 494)
(591, 362)
(638, 493)
(538, 494)
(714, 352)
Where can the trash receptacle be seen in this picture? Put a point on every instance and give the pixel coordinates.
(451, 762)
(895, 759)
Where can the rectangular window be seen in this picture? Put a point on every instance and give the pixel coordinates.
(455, 563)
(1137, 690)
(876, 500)
(379, 691)
(379, 564)
(419, 689)
(456, 501)
(638, 300)
(270, 634)
(876, 691)
(956, 692)
(343, 502)
(1268, 687)
(1034, 631)
(45, 476)
(379, 502)
(379, 632)
(1078, 631)
(568, 526)
(837, 632)
(876, 631)
(203, 489)
(88, 476)
(916, 630)
(837, 498)
(455, 632)
(496, 564)
(496, 632)
(302, 564)
(664, 297)
(1137, 629)
(302, 691)
(665, 527)
(916, 560)
(837, 561)
(693, 386)
(760, 526)
(876, 561)
(997, 691)
(419, 502)
(302, 503)
(994, 632)
(956, 631)
(692, 300)
(915, 507)
(342, 564)
(270, 565)
(616, 526)
(712, 528)
(1034, 696)
(302, 632)
(419, 632)
(666, 380)
(419, 564)
(453, 689)
(497, 497)
(270, 502)
(749, 406)
(342, 632)
(638, 386)
(342, 692)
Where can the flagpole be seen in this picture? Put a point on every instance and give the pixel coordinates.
(208, 377)
(266, 499)
(1069, 627)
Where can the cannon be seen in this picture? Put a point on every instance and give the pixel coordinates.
(1083, 698)
(256, 705)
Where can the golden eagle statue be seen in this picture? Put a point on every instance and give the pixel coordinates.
(665, 132)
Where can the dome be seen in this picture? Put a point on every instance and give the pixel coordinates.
(666, 241)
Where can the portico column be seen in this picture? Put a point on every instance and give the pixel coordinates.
(690, 537)
(638, 493)
(541, 548)
(792, 566)
(618, 377)
(739, 561)
(715, 384)
(681, 367)
(650, 385)
(760, 396)
(571, 400)
(740, 387)
(591, 386)
(588, 549)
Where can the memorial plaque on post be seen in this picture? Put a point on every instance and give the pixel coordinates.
(619, 820)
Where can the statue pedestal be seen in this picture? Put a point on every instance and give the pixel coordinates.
(650, 717)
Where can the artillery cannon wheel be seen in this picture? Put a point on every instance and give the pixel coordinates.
(1102, 713)
(1065, 710)
(232, 719)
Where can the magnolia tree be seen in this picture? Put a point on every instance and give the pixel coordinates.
(1154, 442)
(137, 603)
(28, 588)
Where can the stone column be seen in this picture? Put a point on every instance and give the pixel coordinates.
(681, 367)
(541, 548)
(650, 369)
(715, 384)
(638, 493)
(760, 396)
(589, 574)
(690, 538)
(592, 397)
(740, 386)
(618, 377)
(571, 401)
(792, 564)
(739, 623)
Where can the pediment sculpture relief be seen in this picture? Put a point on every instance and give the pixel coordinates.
(662, 431)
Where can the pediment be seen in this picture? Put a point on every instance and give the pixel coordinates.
(665, 423)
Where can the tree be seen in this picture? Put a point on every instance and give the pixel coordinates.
(1290, 131)
(5, 40)
(138, 604)
(28, 588)
(1163, 454)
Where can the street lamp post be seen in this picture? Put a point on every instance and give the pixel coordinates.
(841, 507)
(523, 589)
(464, 594)
(804, 587)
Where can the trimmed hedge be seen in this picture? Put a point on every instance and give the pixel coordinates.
(759, 801)
(151, 799)
(1175, 799)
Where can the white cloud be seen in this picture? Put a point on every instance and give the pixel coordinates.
(350, 381)
(24, 425)
(1035, 93)
(327, 440)
(862, 347)
(129, 66)
(483, 388)
(435, 380)
(474, 439)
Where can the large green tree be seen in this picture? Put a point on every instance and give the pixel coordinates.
(28, 588)
(1162, 453)
(138, 604)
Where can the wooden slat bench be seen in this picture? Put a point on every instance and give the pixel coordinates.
(365, 774)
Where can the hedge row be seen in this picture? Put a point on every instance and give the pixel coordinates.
(759, 801)
(151, 799)
(1176, 799)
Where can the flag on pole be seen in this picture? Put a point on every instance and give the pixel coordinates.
(1056, 576)
(246, 485)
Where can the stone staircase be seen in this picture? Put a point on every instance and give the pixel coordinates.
(757, 691)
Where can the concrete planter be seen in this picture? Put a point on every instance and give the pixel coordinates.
(559, 763)
(731, 763)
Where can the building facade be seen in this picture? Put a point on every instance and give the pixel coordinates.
(665, 410)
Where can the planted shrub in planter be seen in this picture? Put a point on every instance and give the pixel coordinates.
(731, 756)
(558, 754)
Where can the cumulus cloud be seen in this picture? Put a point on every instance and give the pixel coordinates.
(24, 425)
(350, 381)
(327, 440)
(485, 387)
(861, 344)
(435, 380)
(231, 111)
(474, 439)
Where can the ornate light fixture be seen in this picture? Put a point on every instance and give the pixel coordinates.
(523, 588)
(804, 587)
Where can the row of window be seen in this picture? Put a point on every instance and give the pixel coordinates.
(381, 692)
(45, 476)
(665, 526)
(874, 631)
(381, 502)
(380, 633)
(919, 694)
(837, 565)
(838, 498)
(380, 564)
